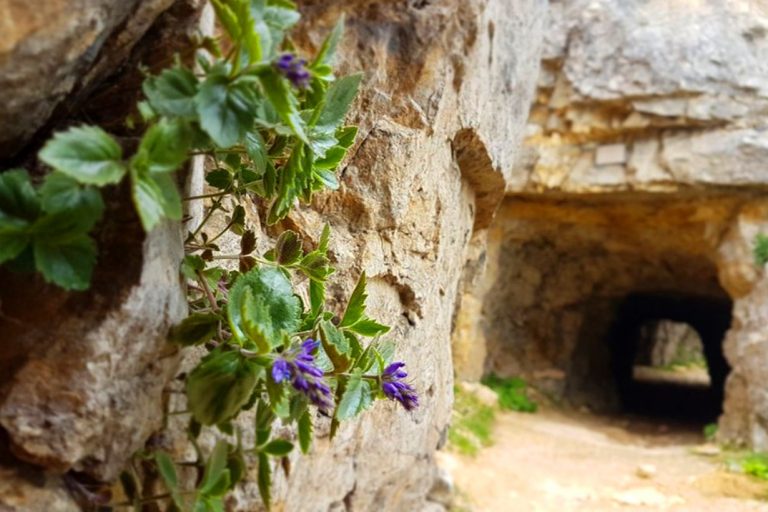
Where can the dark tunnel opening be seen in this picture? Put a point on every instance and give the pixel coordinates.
(643, 391)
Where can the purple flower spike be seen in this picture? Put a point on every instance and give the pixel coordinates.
(281, 370)
(395, 389)
(293, 69)
(298, 365)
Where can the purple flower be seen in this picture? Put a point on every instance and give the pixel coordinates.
(293, 69)
(298, 365)
(396, 389)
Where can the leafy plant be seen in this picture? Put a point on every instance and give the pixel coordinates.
(756, 465)
(471, 425)
(710, 431)
(271, 126)
(512, 393)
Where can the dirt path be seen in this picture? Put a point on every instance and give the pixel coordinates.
(552, 462)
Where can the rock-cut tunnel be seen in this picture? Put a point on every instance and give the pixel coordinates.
(574, 281)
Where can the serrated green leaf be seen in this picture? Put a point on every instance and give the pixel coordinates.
(327, 52)
(226, 109)
(19, 207)
(196, 329)
(356, 305)
(219, 386)
(339, 98)
(67, 263)
(257, 151)
(305, 431)
(316, 266)
(254, 312)
(63, 226)
(369, 328)
(61, 193)
(284, 102)
(164, 147)
(228, 19)
(357, 397)
(12, 244)
(278, 447)
(172, 92)
(335, 345)
(156, 197)
(280, 309)
(18, 197)
(316, 297)
(86, 153)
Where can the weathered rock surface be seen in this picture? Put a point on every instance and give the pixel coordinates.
(437, 77)
(642, 171)
(650, 95)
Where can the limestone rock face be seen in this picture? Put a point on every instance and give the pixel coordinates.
(642, 171)
(650, 95)
(441, 114)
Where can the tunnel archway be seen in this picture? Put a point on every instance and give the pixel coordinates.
(709, 317)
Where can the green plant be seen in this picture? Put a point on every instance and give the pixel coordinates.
(471, 424)
(756, 465)
(710, 431)
(760, 249)
(512, 393)
(271, 126)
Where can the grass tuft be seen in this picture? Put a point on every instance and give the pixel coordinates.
(472, 424)
(513, 393)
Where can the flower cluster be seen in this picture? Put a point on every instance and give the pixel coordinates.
(396, 389)
(293, 69)
(298, 365)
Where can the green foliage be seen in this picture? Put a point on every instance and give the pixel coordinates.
(48, 226)
(512, 393)
(756, 465)
(357, 397)
(86, 153)
(761, 249)
(220, 386)
(471, 425)
(262, 309)
(710, 431)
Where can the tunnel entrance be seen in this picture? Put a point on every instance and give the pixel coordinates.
(581, 289)
(667, 355)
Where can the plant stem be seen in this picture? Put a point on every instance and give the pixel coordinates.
(211, 298)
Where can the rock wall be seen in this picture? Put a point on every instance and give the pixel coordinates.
(447, 91)
(643, 170)
(429, 168)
